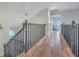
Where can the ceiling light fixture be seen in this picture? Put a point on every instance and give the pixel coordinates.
(53, 8)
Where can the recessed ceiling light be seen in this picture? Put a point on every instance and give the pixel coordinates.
(53, 8)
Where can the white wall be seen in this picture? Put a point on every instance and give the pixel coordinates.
(3, 39)
(40, 18)
(68, 16)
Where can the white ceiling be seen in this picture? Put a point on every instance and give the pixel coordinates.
(62, 6)
(11, 11)
(14, 12)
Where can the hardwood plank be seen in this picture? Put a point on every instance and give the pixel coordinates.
(43, 49)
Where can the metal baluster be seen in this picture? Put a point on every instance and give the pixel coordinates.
(77, 40)
(28, 38)
(25, 36)
(63, 29)
(16, 46)
(71, 37)
(23, 40)
(4, 50)
(9, 49)
(19, 43)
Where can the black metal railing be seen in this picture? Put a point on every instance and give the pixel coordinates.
(71, 34)
(17, 44)
(27, 36)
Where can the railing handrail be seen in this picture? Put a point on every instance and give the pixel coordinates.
(20, 41)
(14, 36)
(14, 39)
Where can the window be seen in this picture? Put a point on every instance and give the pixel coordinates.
(56, 22)
(12, 33)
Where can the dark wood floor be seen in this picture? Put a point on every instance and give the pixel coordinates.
(43, 48)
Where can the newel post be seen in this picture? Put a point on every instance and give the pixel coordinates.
(25, 36)
(4, 51)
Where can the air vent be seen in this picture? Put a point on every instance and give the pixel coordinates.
(26, 13)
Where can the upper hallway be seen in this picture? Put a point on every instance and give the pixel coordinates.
(12, 15)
